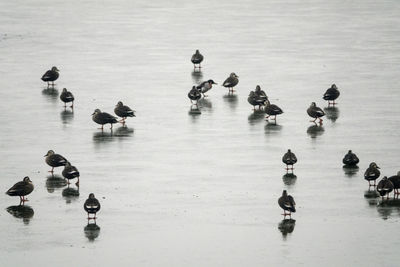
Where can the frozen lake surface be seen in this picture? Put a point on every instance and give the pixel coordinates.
(179, 188)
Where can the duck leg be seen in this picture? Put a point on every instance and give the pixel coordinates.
(52, 170)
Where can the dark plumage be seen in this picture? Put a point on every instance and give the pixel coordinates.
(205, 86)
(350, 159)
(51, 76)
(231, 81)
(315, 112)
(372, 173)
(331, 94)
(257, 98)
(286, 202)
(70, 172)
(55, 160)
(395, 179)
(197, 58)
(21, 189)
(272, 110)
(66, 97)
(123, 111)
(194, 95)
(103, 118)
(91, 206)
(385, 186)
(289, 159)
(255, 101)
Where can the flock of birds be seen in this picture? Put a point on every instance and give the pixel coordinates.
(256, 98)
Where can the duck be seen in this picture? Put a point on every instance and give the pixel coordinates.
(350, 159)
(289, 159)
(92, 206)
(197, 58)
(260, 93)
(66, 97)
(194, 95)
(315, 112)
(395, 179)
(21, 189)
(51, 76)
(272, 110)
(70, 172)
(55, 160)
(286, 202)
(254, 100)
(123, 111)
(231, 82)
(206, 86)
(385, 186)
(331, 94)
(103, 118)
(372, 173)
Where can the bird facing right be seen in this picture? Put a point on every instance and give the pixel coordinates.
(286, 202)
(231, 82)
(204, 87)
(91, 206)
(315, 112)
(21, 189)
(51, 76)
(372, 173)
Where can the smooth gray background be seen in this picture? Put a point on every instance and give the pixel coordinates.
(184, 189)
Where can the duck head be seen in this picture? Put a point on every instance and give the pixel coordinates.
(55, 69)
(96, 111)
(49, 153)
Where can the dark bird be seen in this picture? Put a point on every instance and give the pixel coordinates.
(315, 112)
(257, 98)
(331, 94)
(70, 172)
(395, 179)
(260, 93)
(51, 76)
(206, 86)
(91, 206)
(21, 189)
(231, 82)
(289, 159)
(385, 186)
(272, 110)
(103, 118)
(372, 173)
(123, 111)
(55, 160)
(197, 58)
(194, 95)
(66, 97)
(255, 101)
(350, 159)
(286, 202)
